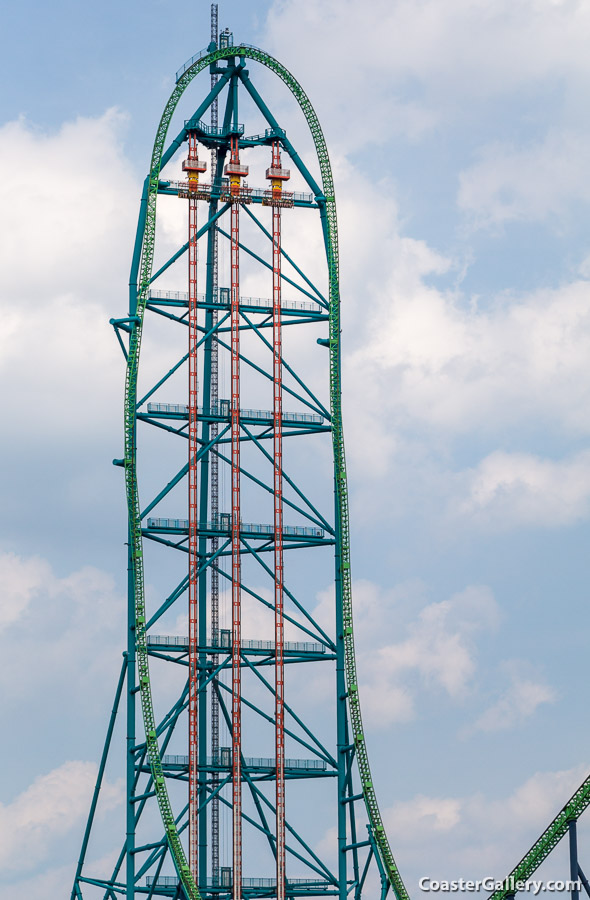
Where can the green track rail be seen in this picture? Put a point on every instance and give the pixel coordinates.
(550, 838)
(135, 537)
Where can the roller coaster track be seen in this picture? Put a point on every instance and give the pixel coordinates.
(547, 842)
(326, 201)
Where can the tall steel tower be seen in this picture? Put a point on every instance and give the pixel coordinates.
(233, 442)
(247, 772)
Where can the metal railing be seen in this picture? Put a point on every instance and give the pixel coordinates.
(190, 62)
(253, 762)
(179, 640)
(268, 133)
(212, 130)
(245, 191)
(278, 172)
(258, 414)
(172, 881)
(245, 527)
(203, 53)
(222, 300)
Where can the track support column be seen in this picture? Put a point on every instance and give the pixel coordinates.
(574, 866)
(213, 286)
(236, 172)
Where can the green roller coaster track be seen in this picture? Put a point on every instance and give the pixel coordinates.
(547, 842)
(326, 202)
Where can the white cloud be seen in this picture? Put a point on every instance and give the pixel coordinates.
(65, 372)
(438, 644)
(518, 702)
(423, 813)
(428, 371)
(508, 490)
(512, 183)
(67, 215)
(66, 631)
(477, 835)
(20, 580)
(50, 882)
(540, 797)
(449, 54)
(417, 358)
(47, 810)
(377, 610)
(431, 359)
(67, 210)
(439, 650)
(405, 646)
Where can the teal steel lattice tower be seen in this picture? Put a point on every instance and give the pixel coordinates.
(239, 783)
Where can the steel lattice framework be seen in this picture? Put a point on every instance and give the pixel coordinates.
(361, 853)
(222, 674)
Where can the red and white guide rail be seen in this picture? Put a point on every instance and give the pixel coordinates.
(276, 176)
(193, 167)
(236, 172)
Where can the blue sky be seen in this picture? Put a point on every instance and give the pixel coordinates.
(459, 136)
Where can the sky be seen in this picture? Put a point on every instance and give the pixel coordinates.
(459, 135)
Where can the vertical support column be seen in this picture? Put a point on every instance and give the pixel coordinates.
(340, 512)
(574, 866)
(193, 526)
(214, 468)
(235, 539)
(131, 687)
(278, 537)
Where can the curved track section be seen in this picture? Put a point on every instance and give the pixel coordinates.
(553, 834)
(327, 204)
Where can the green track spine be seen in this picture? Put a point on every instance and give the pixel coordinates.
(547, 842)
